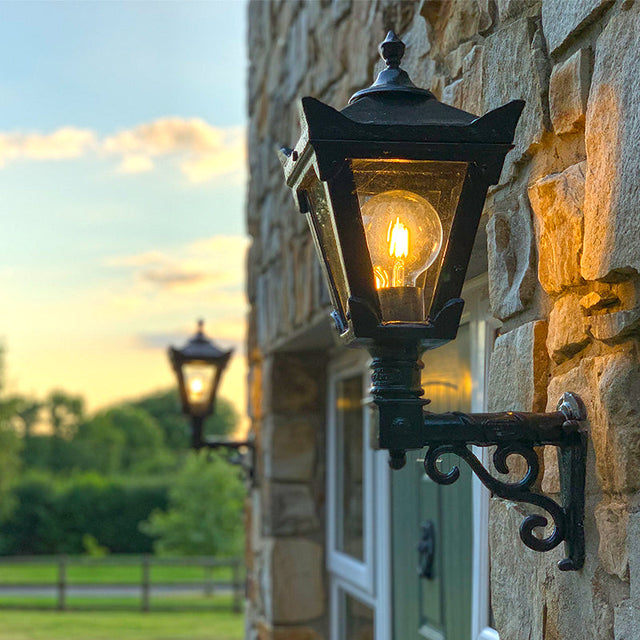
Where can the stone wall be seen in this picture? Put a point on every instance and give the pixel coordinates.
(563, 242)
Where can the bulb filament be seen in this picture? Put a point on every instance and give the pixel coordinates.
(398, 239)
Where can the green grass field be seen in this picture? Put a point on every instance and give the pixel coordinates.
(47, 572)
(179, 616)
(102, 625)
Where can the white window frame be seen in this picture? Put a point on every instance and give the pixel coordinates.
(365, 580)
(483, 329)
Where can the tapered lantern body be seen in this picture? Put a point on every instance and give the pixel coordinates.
(393, 188)
(198, 367)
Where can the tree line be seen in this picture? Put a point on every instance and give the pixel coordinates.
(119, 480)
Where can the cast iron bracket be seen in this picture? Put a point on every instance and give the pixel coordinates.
(404, 424)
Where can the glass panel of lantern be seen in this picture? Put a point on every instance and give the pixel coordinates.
(198, 380)
(325, 236)
(407, 209)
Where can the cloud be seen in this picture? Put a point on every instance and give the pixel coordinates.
(62, 144)
(136, 164)
(213, 264)
(199, 150)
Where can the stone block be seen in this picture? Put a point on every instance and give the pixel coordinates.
(612, 198)
(626, 620)
(518, 371)
(292, 385)
(569, 91)
(514, 576)
(564, 19)
(557, 202)
(579, 381)
(296, 633)
(612, 398)
(510, 248)
(633, 546)
(296, 581)
(288, 509)
(615, 326)
(416, 61)
(612, 519)
(455, 59)
(455, 22)
(567, 333)
(291, 443)
(510, 9)
(472, 88)
(519, 79)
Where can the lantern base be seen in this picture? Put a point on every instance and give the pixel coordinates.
(402, 304)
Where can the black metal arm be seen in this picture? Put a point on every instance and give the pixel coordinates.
(404, 424)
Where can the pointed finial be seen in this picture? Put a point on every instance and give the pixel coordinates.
(392, 79)
(391, 50)
(200, 326)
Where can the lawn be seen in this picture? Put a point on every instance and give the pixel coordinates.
(123, 625)
(126, 573)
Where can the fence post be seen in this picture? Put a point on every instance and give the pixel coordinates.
(237, 588)
(208, 579)
(146, 582)
(62, 582)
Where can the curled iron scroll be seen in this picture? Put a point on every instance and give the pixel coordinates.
(518, 491)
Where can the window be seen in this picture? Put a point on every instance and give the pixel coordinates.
(357, 501)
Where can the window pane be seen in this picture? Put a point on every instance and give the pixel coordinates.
(358, 620)
(350, 516)
(446, 377)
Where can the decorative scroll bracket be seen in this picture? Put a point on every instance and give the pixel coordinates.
(403, 424)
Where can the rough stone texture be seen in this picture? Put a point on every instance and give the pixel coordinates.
(296, 633)
(511, 257)
(612, 327)
(292, 442)
(568, 92)
(518, 372)
(567, 333)
(563, 19)
(612, 519)
(297, 586)
(507, 585)
(612, 226)
(582, 240)
(557, 202)
(289, 510)
(521, 78)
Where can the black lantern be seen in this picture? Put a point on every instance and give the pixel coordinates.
(198, 366)
(393, 187)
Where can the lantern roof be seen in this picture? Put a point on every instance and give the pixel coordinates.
(394, 110)
(199, 348)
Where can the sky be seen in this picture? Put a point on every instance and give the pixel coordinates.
(122, 179)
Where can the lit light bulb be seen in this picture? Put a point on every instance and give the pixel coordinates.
(196, 388)
(404, 235)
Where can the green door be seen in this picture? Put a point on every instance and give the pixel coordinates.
(436, 606)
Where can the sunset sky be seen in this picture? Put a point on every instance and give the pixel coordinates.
(122, 174)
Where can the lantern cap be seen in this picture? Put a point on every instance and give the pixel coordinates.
(199, 348)
(392, 79)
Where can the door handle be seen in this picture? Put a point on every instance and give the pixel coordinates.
(427, 550)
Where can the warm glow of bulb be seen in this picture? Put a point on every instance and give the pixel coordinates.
(196, 389)
(404, 236)
(398, 239)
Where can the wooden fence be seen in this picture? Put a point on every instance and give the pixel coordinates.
(60, 587)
